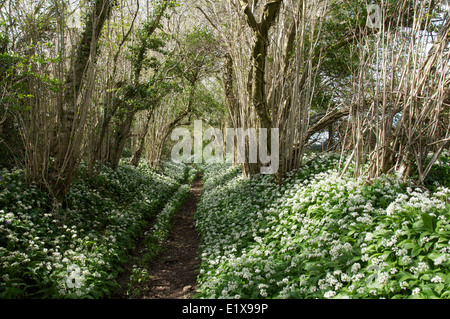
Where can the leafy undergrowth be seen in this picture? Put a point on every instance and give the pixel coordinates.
(161, 229)
(154, 240)
(319, 235)
(78, 251)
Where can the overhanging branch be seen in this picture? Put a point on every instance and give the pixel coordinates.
(326, 121)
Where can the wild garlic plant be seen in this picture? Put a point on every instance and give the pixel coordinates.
(322, 235)
(78, 250)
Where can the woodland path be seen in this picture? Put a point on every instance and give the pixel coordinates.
(173, 273)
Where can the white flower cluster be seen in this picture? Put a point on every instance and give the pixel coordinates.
(319, 235)
(90, 234)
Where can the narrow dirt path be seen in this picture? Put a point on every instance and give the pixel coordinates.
(173, 274)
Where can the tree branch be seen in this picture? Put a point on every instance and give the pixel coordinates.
(251, 20)
(326, 121)
(271, 11)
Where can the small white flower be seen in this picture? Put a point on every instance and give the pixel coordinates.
(393, 271)
(263, 293)
(422, 267)
(345, 277)
(383, 278)
(330, 294)
(356, 267)
(439, 260)
(436, 279)
(406, 260)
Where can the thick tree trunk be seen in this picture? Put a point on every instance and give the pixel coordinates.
(259, 57)
(72, 112)
(257, 75)
(233, 104)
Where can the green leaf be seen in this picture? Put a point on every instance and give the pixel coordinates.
(428, 291)
(313, 268)
(407, 244)
(439, 287)
(429, 221)
(434, 255)
(416, 251)
(403, 275)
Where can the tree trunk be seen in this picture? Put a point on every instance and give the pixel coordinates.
(124, 129)
(138, 154)
(72, 112)
(120, 139)
(259, 57)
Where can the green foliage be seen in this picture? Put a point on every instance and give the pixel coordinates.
(138, 276)
(101, 218)
(440, 172)
(17, 73)
(199, 53)
(209, 105)
(17, 70)
(161, 229)
(321, 236)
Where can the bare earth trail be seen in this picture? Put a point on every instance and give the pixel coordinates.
(173, 273)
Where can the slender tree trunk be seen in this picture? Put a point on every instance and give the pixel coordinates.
(120, 139)
(138, 154)
(123, 130)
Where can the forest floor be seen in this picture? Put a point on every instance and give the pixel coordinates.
(173, 273)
